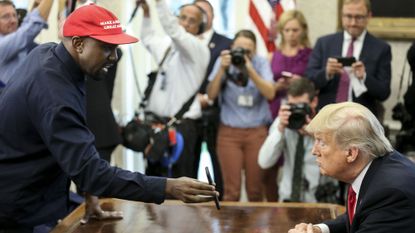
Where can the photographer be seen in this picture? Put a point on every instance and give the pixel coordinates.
(183, 60)
(300, 177)
(16, 42)
(244, 82)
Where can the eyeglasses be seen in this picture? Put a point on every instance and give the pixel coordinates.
(358, 18)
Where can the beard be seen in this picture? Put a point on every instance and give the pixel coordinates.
(100, 75)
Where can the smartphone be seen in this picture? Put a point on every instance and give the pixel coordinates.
(346, 61)
(286, 74)
(211, 183)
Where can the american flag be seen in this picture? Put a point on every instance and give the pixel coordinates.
(264, 15)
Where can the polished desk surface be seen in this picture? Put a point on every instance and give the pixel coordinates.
(175, 217)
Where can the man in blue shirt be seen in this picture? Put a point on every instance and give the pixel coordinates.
(44, 140)
(16, 42)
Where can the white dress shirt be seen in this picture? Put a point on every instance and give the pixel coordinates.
(357, 86)
(277, 144)
(206, 37)
(183, 70)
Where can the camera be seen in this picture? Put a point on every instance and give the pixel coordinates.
(238, 56)
(400, 113)
(298, 115)
(404, 138)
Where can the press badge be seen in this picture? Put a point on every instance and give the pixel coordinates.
(246, 100)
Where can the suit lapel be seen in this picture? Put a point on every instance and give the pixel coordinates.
(371, 172)
(337, 46)
(366, 47)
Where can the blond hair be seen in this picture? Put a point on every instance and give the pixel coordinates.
(352, 125)
(298, 15)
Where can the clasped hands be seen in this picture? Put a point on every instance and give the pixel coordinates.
(305, 228)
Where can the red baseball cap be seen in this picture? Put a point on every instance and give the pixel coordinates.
(98, 23)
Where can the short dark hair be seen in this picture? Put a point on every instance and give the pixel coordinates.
(300, 87)
(245, 33)
(7, 3)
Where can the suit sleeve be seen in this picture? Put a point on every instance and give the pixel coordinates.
(379, 77)
(316, 67)
(338, 225)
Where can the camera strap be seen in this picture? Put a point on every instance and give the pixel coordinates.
(182, 110)
(151, 81)
(147, 92)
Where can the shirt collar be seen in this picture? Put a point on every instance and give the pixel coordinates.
(348, 37)
(357, 183)
(206, 36)
(71, 66)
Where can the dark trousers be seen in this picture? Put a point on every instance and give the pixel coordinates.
(185, 164)
(207, 130)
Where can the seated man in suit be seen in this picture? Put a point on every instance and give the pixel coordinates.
(366, 81)
(350, 145)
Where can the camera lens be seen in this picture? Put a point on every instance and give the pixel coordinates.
(238, 56)
(298, 115)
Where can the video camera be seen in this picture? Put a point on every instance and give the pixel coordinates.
(298, 115)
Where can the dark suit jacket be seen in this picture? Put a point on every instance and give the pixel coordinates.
(376, 55)
(386, 201)
(217, 43)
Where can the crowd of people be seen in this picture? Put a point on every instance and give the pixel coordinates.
(308, 119)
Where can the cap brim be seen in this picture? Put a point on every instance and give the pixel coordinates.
(116, 39)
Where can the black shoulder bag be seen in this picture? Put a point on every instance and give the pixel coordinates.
(153, 129)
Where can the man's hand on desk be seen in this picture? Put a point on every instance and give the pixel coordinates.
(190, 190)
(93, 210)
(305, 228)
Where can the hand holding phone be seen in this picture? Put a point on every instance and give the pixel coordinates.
(346, 61)
(286, 74)
(211, 183)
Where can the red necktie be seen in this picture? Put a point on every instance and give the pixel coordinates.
(351, 202)
(344, 82)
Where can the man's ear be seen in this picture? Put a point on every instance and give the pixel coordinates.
(78, 44)
(352, 154)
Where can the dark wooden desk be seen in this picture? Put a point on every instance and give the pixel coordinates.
(175, 217)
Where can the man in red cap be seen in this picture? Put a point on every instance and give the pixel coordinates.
(44, 140)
